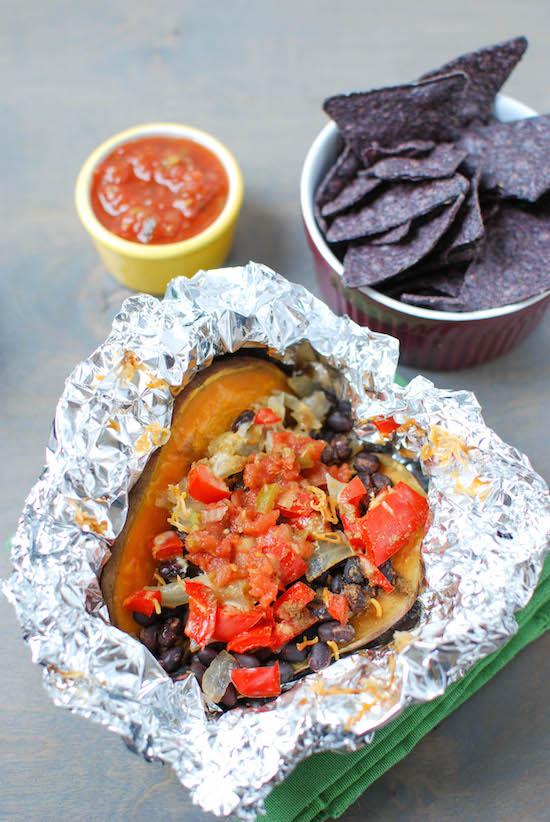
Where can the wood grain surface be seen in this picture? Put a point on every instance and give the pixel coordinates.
(255, 75)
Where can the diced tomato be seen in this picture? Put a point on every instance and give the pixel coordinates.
(266, 416)
(337, 606)
(277, 545)
(279, 467)
(295, 502)
(143, 602)
(353, 492)
(230, 622)
(166, 545)
(387, 526)
(257, 682)
(386, 425)
(204, 486)
(254, 524)
(258, 637)
(203, 606)
(317, 475)
(293, 601)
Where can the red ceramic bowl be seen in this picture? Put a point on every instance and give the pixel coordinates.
(437, 340)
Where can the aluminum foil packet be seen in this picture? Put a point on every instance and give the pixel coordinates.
(483, 552)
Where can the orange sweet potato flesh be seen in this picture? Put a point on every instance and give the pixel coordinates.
(204, 410)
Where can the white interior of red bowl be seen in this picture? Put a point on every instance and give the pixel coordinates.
(323, 153)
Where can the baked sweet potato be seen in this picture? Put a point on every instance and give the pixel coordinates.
(202, 411)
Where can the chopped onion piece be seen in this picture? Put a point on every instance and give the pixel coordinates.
(301, 384)
(325, 555)
(217, 676)
(173, 594)
(334, 487)
(319, 403)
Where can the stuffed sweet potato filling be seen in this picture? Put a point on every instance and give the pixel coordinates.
(286, 544)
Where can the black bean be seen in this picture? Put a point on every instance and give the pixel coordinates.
(316, 434)
(344, 406)
(319, 656)
(319, 610)
(170, 569)
(206, 656)
(229, 699)
(170, 659)
(286, 671)
(263, 654)
(235, 481)
(336, 632)
(197, 669)
(192, 571)
(336, 583)
(244, 416)
(341, 447)
(381, 481)
(170, 632)
(355, 596)
(145, 621)
(149, 637)
(387, 570)
(363, 505)
(339, 422)
(246, 660)
(328, 457)
(353, 572)
(366, 462)
(290, 653)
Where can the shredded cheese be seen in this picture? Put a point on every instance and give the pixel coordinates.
(159, 579)
(305, 643)
(157, 382)
(153, 436)
(84, 520)
(377, 607)
(444, 447)
(352, 720)
(158, 609)
(323, 504)
(327, 536)
(334, 648)
(128, 366)
(114, 424)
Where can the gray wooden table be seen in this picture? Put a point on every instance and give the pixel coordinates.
(255, 75)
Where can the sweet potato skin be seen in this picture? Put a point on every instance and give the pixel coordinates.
(203, 410)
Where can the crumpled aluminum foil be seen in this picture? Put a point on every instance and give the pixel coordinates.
(483, 552)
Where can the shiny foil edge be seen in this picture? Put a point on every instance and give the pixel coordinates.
(484, 495)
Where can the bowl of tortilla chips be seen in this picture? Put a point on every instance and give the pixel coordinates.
(427, 210)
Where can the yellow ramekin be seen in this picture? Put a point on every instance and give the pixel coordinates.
(150, 267)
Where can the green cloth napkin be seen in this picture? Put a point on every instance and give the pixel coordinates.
(325, 785)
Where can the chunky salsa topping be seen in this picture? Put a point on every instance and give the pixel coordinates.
(157, 190)
(281, 535)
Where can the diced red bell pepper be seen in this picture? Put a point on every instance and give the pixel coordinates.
(204, 486)
(386, 425)
(231, 622)
(166, 545)
(388, 525)
(203, 607)
(293, 601)
(353, 492)
(340, 472)
(266, 416)
(258, 637)
(143, 602)
(374, 574)
(257, 682)
(337, 606)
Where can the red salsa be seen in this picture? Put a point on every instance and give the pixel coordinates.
(157, 190)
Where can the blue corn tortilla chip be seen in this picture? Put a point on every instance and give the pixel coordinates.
(513, 159)
(487, 71)
(368, 264)
(396, 205)
(393, 235)
(388, 116)
(513, 262)
(412, 148)
(437, 302)
(352, 194)
(443, 161)
(337, 177)
(446, 281)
